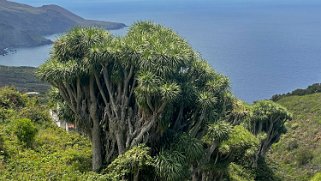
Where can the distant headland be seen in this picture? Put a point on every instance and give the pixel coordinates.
(26, 26)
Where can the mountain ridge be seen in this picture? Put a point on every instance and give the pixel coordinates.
(23, 25)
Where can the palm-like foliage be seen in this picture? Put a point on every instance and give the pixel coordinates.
(239, 143)
(174, 162)
(160, 49)
(268, 118)
(170, 166)
(148, 87)
(217, 132)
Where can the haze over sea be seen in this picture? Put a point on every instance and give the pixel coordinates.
(265, 47)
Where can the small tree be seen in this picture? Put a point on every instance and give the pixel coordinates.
(267, 122)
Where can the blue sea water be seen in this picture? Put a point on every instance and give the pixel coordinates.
(265, 47)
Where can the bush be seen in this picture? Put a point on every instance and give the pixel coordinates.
(303, 157)
(36, 114)
(10, 98)
(5, 114)
(129, 163)
(292, 144)
(25, 131)
(238, 173)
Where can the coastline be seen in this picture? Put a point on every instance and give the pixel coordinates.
(12, 50)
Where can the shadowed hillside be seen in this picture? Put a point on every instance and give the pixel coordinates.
(23, 78)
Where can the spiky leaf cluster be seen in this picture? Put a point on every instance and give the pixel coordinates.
(130, 162)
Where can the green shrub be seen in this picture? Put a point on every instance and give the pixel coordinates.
(303, 157)
(5, 114)
(292, 144)
(25, 131)
(128, 163)
(10, 98)
(36, 114)
(238, 173)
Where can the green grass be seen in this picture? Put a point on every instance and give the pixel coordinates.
(297, 156)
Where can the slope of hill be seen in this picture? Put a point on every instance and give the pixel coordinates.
(314, 88)
(53, 154)
(297, 156)
(24, 26)
(23, 78)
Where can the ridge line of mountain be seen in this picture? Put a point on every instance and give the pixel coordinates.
(26, 26)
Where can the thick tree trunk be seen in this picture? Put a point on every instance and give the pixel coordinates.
(204, 176)
(195, 176)
(95, 131)
(96, 147)
(136, 176)
(120, 142)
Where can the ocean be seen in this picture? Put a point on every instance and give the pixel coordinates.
(265, 47)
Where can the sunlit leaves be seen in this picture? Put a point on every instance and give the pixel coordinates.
(239, 141)
(266, 114)
(169, 91)
(53, 71)
(160, 49)
(217, 132)
(218, 84)
(148, 83)
(267, 122)
(265, 110)
(237, 111)
(77, 43)
(130, 162)
(207, 99)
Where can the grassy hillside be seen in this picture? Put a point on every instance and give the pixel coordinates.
(56, 155)
(53, 154)
(298, 154)
(23, 78)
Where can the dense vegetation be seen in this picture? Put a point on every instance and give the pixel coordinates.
(33, 148)
(22, 78)
(155, 110)
(314, 88)
(297, 155)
